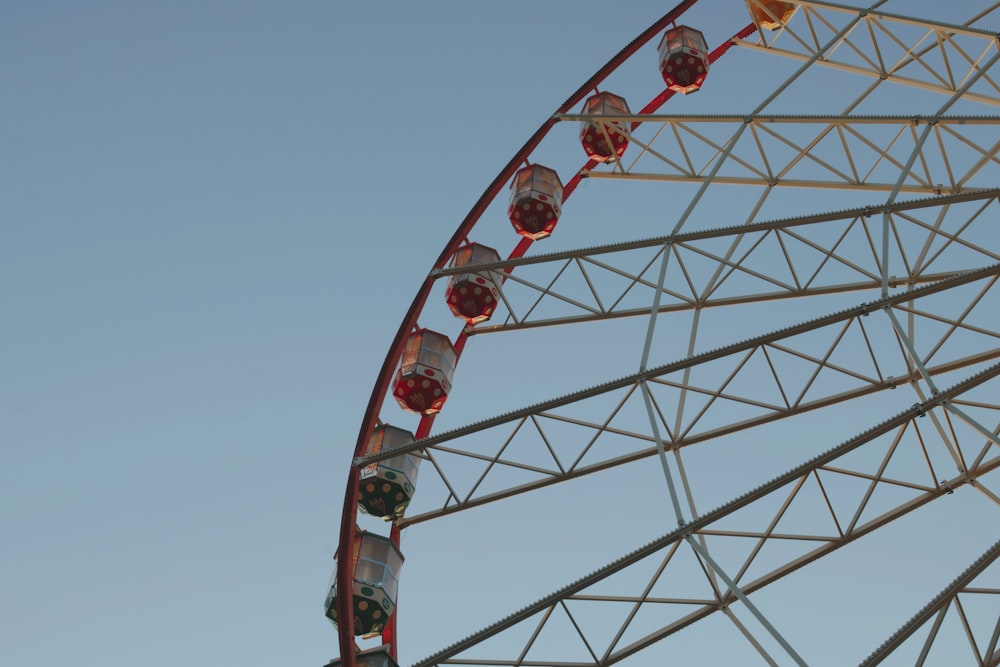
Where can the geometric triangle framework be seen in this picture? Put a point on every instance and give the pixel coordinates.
(961, 625)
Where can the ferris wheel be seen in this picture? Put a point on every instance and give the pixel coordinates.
(691, 387)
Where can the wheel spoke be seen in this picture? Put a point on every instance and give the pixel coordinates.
(736, 371)
(898, 432)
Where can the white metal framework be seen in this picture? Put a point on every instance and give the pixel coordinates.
(802, 331)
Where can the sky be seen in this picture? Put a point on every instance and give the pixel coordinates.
(214, 216)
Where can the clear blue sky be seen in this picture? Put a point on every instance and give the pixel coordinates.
(213, 216)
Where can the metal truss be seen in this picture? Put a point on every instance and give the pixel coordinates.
(843, 151)
(615, 281)
(878, 298)
(952, 606)
(837, 525)
(771, 377)
(938, 57)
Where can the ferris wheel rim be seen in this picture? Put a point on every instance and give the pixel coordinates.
(351, 497)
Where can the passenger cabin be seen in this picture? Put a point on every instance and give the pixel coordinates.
(605, 141)
(376, 563)
(387, 486)
(425, 372)
(770, 14)
(535, 201)
(683, 59)
(473, 296)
